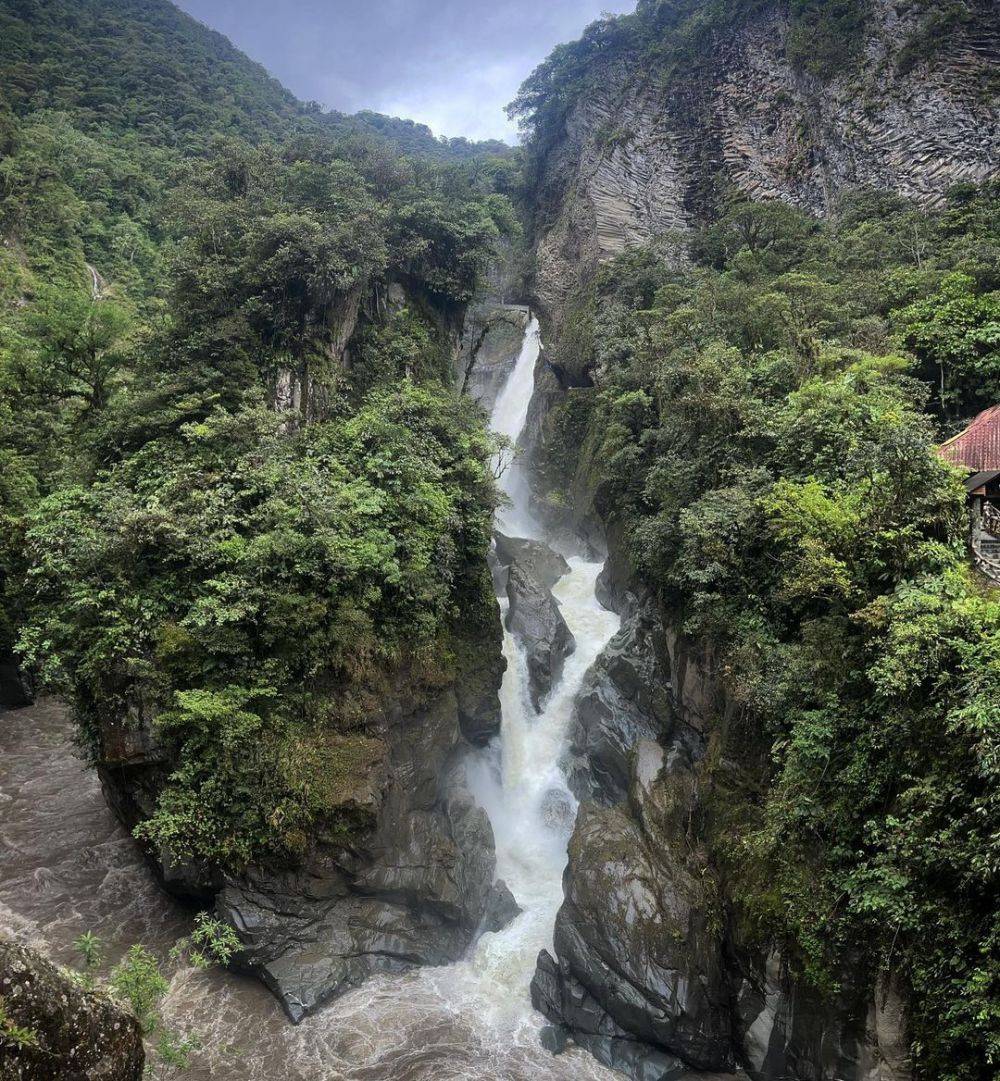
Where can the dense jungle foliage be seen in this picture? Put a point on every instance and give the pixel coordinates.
(236, 490)
(763, 435)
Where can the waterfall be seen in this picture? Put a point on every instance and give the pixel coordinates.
(510, 414)
(523, 787)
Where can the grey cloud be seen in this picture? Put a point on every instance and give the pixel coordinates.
(450, 64)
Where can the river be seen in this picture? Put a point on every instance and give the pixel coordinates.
(67, 867)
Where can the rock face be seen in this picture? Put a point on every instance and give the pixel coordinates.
(639, 979)
(69, 1034)
(649, 972)
(787, 1030)
(743, 116)
(536, 622)
(417, 895)
(490, 347)
(626, 698)
(411, 882)
(15, 685)
(535, 557)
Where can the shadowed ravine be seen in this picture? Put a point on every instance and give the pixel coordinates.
(66, 867)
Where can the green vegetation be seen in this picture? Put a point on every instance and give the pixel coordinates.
(144, 70)
(671, 41)
(238, 496)
(19, 1036)
(138, 984)
(761, 439)
(211, 942)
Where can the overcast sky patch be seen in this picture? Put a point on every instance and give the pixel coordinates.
(451, 64)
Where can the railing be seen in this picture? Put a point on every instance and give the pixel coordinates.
(989, 521)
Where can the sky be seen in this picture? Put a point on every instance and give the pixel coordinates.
(451, 64)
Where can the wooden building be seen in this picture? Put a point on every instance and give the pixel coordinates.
(977, 450)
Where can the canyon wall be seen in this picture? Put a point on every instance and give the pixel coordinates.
(650, 971)
(400, 872)
(649, 153)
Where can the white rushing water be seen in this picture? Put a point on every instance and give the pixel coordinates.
(66, 866)
(510, 414)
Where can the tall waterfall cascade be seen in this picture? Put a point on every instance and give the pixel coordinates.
(509, 418)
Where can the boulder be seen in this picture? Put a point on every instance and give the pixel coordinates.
(625, 698)
(543, 563)
(536, 622)
(66, 1033)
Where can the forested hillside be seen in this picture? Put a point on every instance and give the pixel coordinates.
(236, 492)
(759, 394)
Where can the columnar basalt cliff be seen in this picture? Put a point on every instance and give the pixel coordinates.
(647, 151)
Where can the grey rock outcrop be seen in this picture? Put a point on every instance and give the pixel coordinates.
(626, 698)
(743, 117)
(490, 347)
(401, 872)
(68, 1033)
(536, 622)
(787, 1029)
(649, 972)
(640, 962)
(417, 895)
(543, 563)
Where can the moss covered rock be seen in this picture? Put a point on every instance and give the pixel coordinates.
(52, 1029)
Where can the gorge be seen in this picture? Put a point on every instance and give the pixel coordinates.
(515, 592)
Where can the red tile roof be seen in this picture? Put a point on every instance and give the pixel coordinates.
(978, 447)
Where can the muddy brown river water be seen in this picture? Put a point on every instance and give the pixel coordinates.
(66, 867)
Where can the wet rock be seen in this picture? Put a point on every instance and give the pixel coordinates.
(626, 697)
(415, 893)
(481, 665)
(400, 868)
(16, 687)
(70, 1034)
(787, 1029)
(498, 572)
(491, 344)
(638, 976)
(535, 620)
(544, 564)
(501, 908)
(555, 991)
(557, 811)
(553, 1037)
